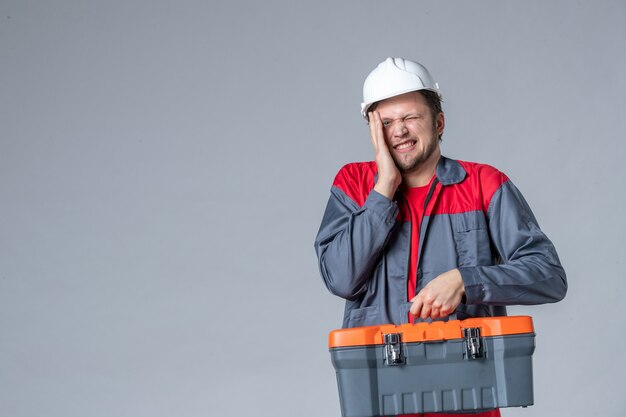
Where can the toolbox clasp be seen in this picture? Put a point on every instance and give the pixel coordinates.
(473, 343)
(393, 349)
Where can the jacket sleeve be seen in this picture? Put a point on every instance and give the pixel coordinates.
(530, 272)
(351, 239)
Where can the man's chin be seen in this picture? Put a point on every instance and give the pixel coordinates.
(409, 167)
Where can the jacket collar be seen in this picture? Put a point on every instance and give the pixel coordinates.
(449, 171)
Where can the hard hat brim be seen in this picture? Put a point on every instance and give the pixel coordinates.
(365, 106)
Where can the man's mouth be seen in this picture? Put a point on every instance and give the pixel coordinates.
(404, 145)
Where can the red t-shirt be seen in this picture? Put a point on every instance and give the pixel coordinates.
(413, 210)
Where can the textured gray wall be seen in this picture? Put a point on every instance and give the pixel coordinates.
(164, 167)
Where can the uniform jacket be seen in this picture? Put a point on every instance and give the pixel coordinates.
(476, 220)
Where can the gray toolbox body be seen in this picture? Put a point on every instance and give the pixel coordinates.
(457, 366)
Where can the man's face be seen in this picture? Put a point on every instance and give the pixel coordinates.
(411, 131)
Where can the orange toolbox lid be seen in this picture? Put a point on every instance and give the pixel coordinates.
(431, 332)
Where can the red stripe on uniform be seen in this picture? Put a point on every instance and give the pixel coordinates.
(356, 180)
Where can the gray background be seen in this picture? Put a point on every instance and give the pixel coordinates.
(164, 167)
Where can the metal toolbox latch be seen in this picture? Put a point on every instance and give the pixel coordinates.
(393, 349)
(473, 343)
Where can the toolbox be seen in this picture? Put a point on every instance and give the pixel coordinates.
(460, 366)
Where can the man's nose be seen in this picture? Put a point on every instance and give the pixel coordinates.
(400, 128)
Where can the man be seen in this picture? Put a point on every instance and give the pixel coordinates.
(414, 235)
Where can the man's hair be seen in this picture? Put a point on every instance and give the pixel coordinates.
(432, 101)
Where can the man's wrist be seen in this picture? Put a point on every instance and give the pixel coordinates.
(386, 188)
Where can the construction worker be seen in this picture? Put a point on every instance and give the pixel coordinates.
(414, 235)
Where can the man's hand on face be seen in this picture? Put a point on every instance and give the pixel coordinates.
(389, 177)
(440, 297)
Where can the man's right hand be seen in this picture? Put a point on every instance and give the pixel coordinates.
(389, 177)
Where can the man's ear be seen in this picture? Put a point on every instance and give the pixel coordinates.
(440, 123)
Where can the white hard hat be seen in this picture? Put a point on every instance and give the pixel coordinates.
(393, 77)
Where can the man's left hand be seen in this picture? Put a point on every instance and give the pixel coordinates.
(440, 297)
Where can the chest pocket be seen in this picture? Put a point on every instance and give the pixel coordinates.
(471, 238)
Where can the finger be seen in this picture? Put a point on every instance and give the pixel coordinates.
(373, 130)
(380, 135)
(436, 310)
(416, 307)
(426, 309)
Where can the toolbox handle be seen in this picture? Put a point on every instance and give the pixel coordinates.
(404, 311)
(452, 316)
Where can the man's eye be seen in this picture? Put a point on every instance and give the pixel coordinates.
(386, 123)
(410, 118)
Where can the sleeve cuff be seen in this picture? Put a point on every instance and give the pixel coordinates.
(474, 289)
(383, 207)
